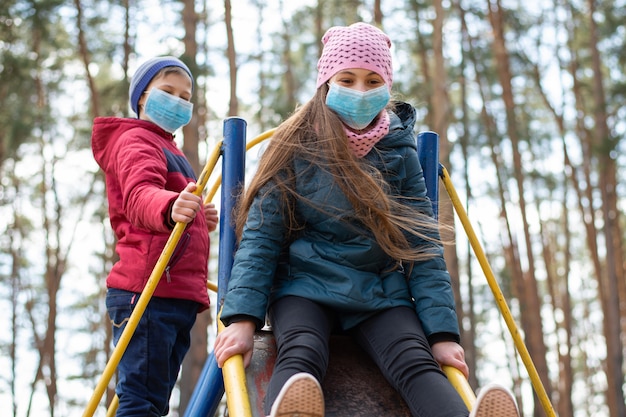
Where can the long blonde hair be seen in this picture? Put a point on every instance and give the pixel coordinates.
(314, 133)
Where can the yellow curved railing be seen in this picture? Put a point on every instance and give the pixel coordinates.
(249, 145)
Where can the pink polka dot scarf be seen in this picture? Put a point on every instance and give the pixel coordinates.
(362, 143)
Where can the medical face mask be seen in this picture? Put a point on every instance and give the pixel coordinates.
(356, 108)
(167, 111)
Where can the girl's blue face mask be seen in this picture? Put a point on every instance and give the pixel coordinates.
(356, 108)
(167, 111)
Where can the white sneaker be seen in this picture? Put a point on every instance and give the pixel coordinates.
(301, 396)
(495, 401)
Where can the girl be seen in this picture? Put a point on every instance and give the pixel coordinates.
(337, 232)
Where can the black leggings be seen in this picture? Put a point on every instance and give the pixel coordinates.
(394, 339)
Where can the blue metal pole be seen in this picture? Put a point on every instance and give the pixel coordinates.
(428, 152)
(209, 390)
(233, 167)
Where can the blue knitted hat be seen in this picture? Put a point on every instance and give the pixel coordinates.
(146, 72)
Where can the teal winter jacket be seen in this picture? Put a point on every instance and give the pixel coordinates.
(336, 263)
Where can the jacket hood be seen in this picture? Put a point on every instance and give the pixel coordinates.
(401, 126)
(108, 130)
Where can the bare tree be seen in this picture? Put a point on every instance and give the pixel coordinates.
(86, 59)
(528, 292)
(198, 349)
(558, 281)
(602, 145)
(16, 233)
(231, 53)
(440, 117)
(287, 61)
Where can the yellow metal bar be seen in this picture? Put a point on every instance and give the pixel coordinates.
(459, 382)
(146, 294)
(265, 135)
(235, 386)
(497, 293)
(213, 190)
(211, 286)
(133, 321)
(215, 155)
(216, 185)
(113, 406)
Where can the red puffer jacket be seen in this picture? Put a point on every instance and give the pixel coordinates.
(145, 172)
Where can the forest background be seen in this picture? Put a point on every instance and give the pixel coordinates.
(529, 99)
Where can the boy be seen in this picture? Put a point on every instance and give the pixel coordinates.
(150, 188)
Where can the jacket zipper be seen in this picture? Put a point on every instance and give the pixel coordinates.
(178, 253)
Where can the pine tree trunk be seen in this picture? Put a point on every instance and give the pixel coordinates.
(198, 351)
(440, 117)
(527, 287)
(607, 184)
(233, 106)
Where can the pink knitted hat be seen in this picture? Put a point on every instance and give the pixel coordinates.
(356, 46)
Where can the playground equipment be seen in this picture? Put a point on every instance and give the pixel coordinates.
(365, 388)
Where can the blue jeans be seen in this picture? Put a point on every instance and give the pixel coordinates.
(149, 367)
(393, 338)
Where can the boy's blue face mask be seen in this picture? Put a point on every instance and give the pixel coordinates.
(167, 111)
(356, 108)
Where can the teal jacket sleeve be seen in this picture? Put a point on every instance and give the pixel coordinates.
(255, 261)
(429, 281)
